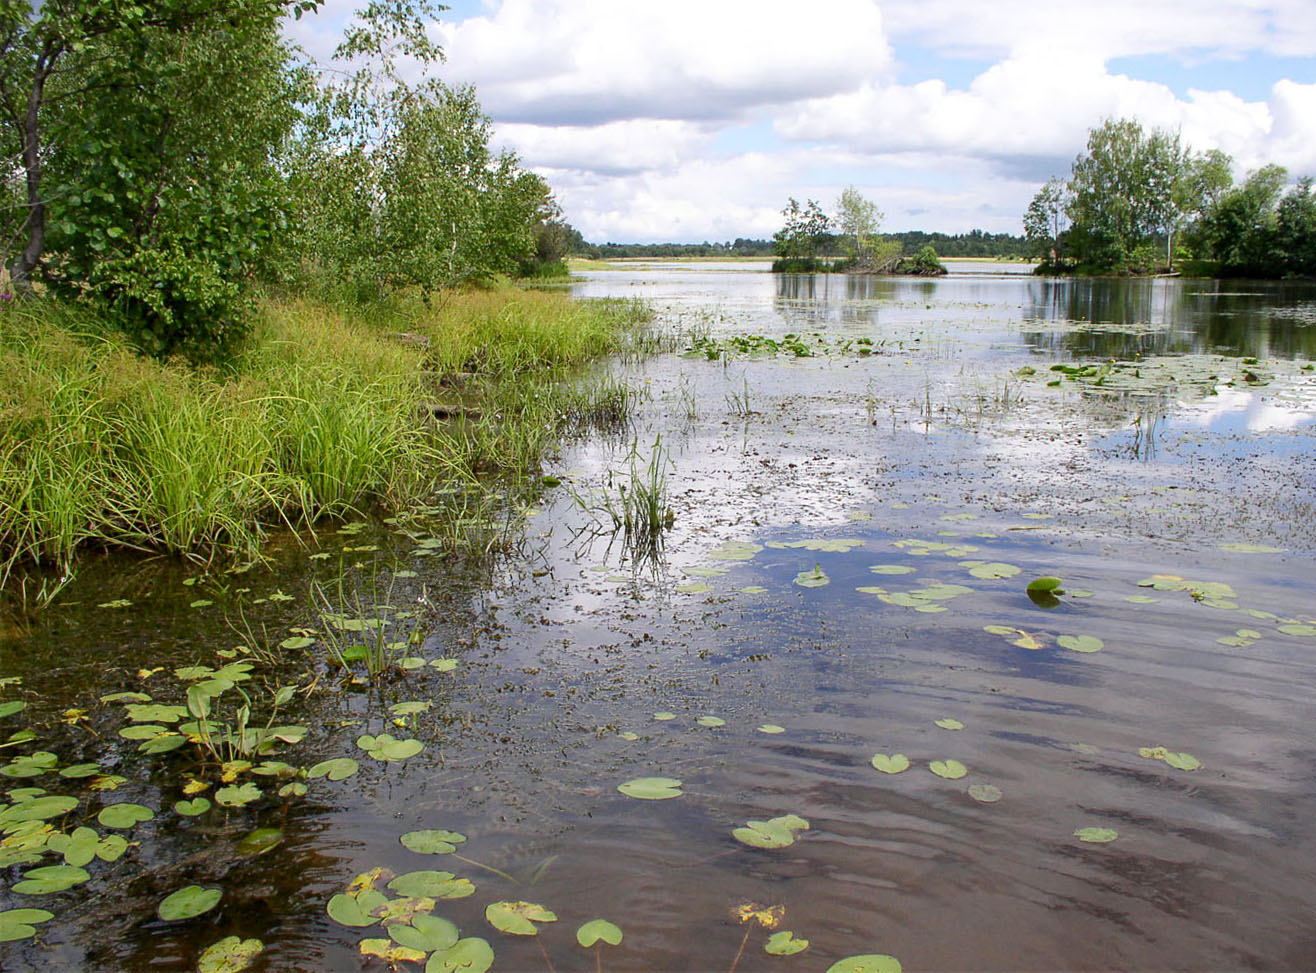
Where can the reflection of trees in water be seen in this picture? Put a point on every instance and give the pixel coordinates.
(1159, 317)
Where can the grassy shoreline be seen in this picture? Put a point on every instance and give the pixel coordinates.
(327, 411)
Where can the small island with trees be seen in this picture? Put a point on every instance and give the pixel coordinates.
(802, 244)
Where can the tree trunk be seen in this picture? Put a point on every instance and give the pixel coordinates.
(21, 273)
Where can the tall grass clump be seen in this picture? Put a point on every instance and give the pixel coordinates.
(326, 411)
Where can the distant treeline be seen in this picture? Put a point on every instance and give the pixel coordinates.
(975, 243)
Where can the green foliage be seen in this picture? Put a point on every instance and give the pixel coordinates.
(858, 219)
(805, 232)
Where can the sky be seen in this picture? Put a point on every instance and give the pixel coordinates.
(694, 120)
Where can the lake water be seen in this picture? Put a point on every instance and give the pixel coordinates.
(865, 475)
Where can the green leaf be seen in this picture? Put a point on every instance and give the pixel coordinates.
(950, 769)
(894, 764)
(230, 955)
(1043, 584)
(775, 833)
(816, 578)
(517, 918)
(949, 723)
(51, 878)
(711, 721)
(339, 768)
(869, 963)
(188, 902)
(470, 955)
(238, 796)
(990, 570)
(985, 793)
(784, 943)
(432, 884)
(80, 770)
(1096, 835)
(1081, 643)
(385, 747)
(771, 729)
(426, 933)
(16, 924)
(37, 809)
(347, 911)
(192, 808)
(651, 788)
(260, 841)
(1182, 761)
(12, 707)
(433, 841)
(598, 929)
(124, 816)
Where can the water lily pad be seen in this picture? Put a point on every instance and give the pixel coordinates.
(80, 770)
(517, 918)
(1098, 836)
(891, 569)
(444, 665)
(985, 793)
(1297, 629)
(231, 954)
(950, 769)
(597, 930)
(651, 788)
(192, 808)
(36, 809)
(297, 642)
(1081, 643)
(784, 943)
(125, 698)
(50, 879)
(17, 924)
(771, 728)
(470, 955)
(832, 545)
(238, 796)
(434, 841)
(1182, 761)
(812, 579)
(339, 768)
(411, 708)
(260, 841)
(187, 902)
(432, 884)
(774, 833)
(868, 963)
(402, 910)
(353, 911)
(664, 716)
(734, 551)
(1252, 548)
(1046, 583)
(426, 933)
(893, 764)
(124, 816)
(991, 570)
(385, 747)
(711, 721)
(949, 723)
(84, 844)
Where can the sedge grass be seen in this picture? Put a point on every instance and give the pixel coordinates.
(323, 413)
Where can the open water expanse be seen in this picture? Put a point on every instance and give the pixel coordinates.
(835, 640)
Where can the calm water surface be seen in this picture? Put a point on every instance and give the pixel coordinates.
(1103, 432)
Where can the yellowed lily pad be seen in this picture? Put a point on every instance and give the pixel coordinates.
(518, 918)
(950, 769)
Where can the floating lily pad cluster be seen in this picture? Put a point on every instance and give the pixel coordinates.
(774, 833)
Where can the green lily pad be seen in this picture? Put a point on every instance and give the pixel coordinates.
(891, 569)
(651, 788)
(1046, 583)
(1096, 835)
(163, 743)
(385, 747)
(125, 698)
(411, 708)
(192, 808)
(297, 642)
(517, 918)
(433, 841)
(985, 793)
(155, 713)
(1081, 643)
(470, 955)
(734, 551)
(784, 943)
(339, 768)
(950, 769)
(402, 910)
(774, 833)
(37, 809)
(598, 930)
(434, 885)
(869, 963)
(813, 579)
(991, 570)
(444, 665)
(426, 933)
(238, 796)
(353, 911)
(77, 771)
(1182, 761)
(771, 728)
(188, 902)
(260, 841)
(124, 816)
(664, 717)
(84, 844)
(1297, 629)
(711, 721)
(231, 954)
(49, 879)
(17, 924)
(835, 545)
(949, 723)
(893, 764)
